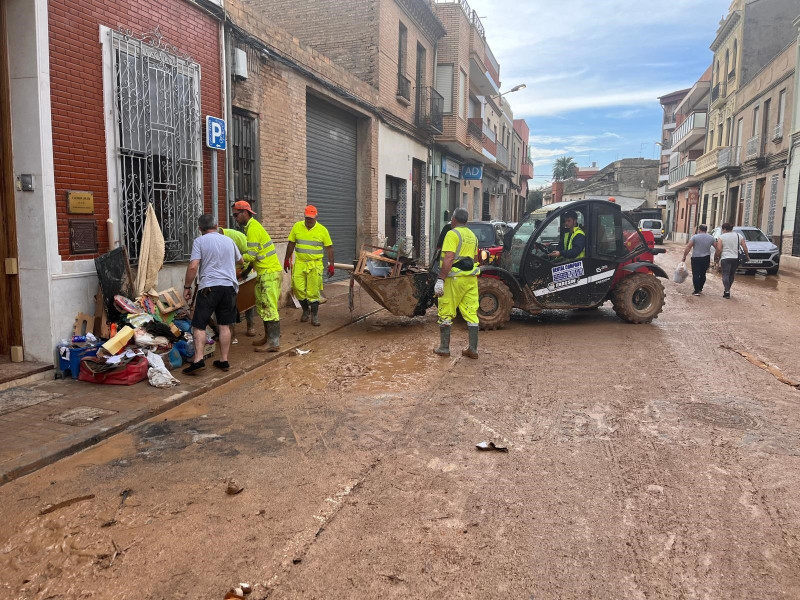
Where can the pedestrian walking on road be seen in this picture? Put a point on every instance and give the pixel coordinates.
(240, 240)
(702, 247)
(457, 285)
(312, 241)
(728, 247)
(263, 257)
(213, 261)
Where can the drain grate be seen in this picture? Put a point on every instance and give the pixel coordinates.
(81, 416)
(721, 416)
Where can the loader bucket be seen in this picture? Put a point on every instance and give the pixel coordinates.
(407, 295)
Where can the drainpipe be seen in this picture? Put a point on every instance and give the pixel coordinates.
(227, 99)
(433, 235)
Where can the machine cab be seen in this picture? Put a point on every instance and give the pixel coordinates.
(562, 282)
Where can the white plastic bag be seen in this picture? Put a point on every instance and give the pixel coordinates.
(158, 375)
(681, 273)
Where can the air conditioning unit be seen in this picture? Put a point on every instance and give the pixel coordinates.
(240, 63)
(502, 188)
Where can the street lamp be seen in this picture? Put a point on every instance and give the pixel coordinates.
(516, 88)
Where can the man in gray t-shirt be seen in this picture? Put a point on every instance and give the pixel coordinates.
(213, 260)
(701, 246)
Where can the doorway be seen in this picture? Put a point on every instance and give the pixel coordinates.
(485, 209)
(761, 185)
(417, 169)
(393, 186)
(733, 207)
(11, 315)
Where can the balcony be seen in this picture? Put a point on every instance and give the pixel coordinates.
(475, 128)
(403, 89)
(777, 134)
(489, 142)
(527, 169)
(728, 158)
(691, 131)
(753, 148)
(707, 164)
(430, 109)
(718, 92)
(683, 175)
(502, 155)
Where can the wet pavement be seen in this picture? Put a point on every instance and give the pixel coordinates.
(646, 461)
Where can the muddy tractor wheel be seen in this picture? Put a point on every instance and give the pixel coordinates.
(494, 303)
(638, 298)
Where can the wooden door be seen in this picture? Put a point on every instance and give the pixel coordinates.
(416, 205)
(10, 315)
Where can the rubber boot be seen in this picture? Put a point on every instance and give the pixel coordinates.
(315, 314)
(444, 341)
(306, 314)
(274, 337)
(472, 351)
(263, 340)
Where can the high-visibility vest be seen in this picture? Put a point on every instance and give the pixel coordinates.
(260, 249)
(309, 243)
(570, 236)
(466, 246)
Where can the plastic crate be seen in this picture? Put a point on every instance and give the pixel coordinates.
(73, 363)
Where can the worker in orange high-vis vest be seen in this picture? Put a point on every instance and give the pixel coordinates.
(310, 240)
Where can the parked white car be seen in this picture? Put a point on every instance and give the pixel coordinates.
(655, 227)
(763, 253)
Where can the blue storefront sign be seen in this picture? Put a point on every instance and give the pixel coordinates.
(450, 167)
(472, 172)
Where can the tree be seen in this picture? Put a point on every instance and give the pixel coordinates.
(535, 200)
(565, 167)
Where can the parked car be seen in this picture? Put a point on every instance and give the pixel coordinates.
(763, 253)
(654, 226)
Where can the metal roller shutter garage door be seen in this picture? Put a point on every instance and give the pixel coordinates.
(331, 178)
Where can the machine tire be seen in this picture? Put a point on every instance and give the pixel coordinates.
(494, 303)
(638, 298)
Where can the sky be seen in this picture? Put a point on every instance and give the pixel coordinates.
(594, 70)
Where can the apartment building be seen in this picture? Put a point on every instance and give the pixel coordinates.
(665, 198)
(687, 144)
(391, 45)
(524, 169)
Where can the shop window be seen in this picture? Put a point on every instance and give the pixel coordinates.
(158, 143)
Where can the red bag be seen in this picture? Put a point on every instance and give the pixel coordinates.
(134, 372)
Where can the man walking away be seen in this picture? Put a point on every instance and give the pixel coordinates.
(701, 246)
(312, 240)
(727, 247)
(457, 285)
(213, 260)
(263, 257)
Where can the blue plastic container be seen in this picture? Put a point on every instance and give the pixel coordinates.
(73, 363)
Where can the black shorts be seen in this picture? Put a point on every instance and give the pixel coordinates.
(219, 300)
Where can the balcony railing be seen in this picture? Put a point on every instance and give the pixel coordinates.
(489, 140)
(694, 121)
(475, 127)
(728, 157)
(778, 133)
(707, 163)
(732, 75)
(526, 170)
(502, 154)
(753, 148)
(718, 91)
(403, 87)
(430, 108)
(488, 133)
(683, 171)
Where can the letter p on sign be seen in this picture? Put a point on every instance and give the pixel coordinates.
(215, 133)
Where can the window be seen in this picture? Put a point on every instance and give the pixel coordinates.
(719, 134)
(781, 106)
(739, 129)
(444, 85)
(755, 122)
(158, 143)
(244, 145)
(462, 94)
(728, 132)
(402, 45)
(735, 54)
(606, 232)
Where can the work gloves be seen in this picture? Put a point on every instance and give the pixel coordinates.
(287, 265)
(438, 289)
(331, 269)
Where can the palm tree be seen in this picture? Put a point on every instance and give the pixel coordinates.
(565, 167)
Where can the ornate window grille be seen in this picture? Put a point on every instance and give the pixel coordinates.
(159, 152)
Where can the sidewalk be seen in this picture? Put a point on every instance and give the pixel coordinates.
(44, 421)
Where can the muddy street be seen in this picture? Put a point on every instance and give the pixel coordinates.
(645, 461)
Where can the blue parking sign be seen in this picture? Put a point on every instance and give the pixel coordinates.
(215, 133)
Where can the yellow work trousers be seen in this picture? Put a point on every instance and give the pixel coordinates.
(268, 292)
(307, 280)
(459, 293)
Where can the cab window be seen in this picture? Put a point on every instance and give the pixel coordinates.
(521, 237)
(632, 239)
(607, 228)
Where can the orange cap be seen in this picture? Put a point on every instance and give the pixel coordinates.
(243, 205)
(311, 211)
(612, 199)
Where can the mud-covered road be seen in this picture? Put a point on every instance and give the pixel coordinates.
(645, 462)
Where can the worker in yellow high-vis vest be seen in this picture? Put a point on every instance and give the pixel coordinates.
(311, 241)
(263, 257)
(573, 244)
(457, 284)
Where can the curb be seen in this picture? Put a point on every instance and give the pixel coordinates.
(168, 404)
